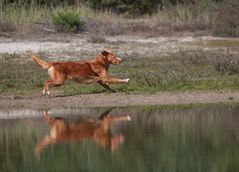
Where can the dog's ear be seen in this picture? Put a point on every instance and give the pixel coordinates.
(105, 53)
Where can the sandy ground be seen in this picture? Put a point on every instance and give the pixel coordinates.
(67, 46)
(116, 99)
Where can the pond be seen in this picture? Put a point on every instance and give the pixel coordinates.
(159, 138)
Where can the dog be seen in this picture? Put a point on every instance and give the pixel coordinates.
(90, 128)
(81, 72)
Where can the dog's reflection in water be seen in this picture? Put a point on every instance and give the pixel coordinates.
(96, 129)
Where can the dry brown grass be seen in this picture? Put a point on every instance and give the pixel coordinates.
(179, 18)
(227, 20)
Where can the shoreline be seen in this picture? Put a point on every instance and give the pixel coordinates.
(118, 100)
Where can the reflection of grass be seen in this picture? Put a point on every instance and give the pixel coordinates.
(185, 144)
(182, 71)
(171, 140)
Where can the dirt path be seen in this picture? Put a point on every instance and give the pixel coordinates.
(117, 99)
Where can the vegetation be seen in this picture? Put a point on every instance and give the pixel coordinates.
(120, 17)
(186, 70)
(7, 25)
(227, 21)
(67, 20)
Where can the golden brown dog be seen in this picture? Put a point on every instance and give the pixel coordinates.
(81, 72)
(96, 129)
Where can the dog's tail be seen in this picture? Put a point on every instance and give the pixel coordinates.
(44, 64)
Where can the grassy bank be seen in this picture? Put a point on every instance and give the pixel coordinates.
(183, 71)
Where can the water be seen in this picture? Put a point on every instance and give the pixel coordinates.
(181, 138)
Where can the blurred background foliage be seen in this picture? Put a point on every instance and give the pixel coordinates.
(218, 16)
(117, 6)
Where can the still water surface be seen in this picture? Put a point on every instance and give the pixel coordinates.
(192, 138)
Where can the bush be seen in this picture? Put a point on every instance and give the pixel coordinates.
(67, 21)
(227, 21)
(7, 25)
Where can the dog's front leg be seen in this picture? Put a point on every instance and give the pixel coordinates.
(110, 80)
(106, 86)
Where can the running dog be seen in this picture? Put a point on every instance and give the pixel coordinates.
(82, 72)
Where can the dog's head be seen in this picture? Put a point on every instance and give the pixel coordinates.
(111, 58)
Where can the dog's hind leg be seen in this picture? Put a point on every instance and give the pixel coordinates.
(54, 83)
(46, 87)
(56, 79)
(49, 120)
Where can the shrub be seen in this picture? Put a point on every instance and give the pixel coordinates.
(7, 25)
(227, 21)
(67, 20)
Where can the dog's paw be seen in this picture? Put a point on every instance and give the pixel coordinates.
(127, 80)
(46, 92)
(128, 118)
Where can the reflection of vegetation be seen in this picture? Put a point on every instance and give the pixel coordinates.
(169, 140)
(17, 143)
(183, 147)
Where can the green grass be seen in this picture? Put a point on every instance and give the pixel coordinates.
(183, 71)
(67, 20)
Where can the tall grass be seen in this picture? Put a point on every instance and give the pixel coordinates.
(179, 17)
(183, 17)
(22, 17)
(227, 21)
(25, 16)
(220, 18)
